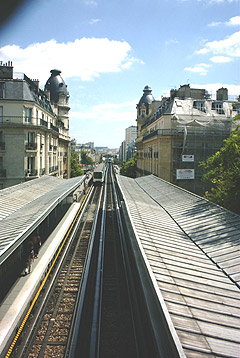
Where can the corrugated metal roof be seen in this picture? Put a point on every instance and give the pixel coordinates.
(24, 206)
(215, 230)
(202, 301)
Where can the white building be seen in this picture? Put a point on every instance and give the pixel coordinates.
(34, 127)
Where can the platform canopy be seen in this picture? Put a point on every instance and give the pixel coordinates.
(24, 206)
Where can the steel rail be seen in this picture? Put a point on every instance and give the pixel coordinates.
(74, 225)
(79, 306)
(96, 322)
(124, 255)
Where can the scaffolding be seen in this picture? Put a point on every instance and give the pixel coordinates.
(194, 141)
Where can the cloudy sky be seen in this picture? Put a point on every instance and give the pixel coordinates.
(108, 50)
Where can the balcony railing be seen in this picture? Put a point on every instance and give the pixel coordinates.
(30, 172)
(22, 120)
(3, 173)
(43, 123)
(197, 132)
(2, 145)
(56, 129)
(31, 146)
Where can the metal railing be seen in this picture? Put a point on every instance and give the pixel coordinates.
(22, 120)
(190, 131)
(30, 172)
(31, 146)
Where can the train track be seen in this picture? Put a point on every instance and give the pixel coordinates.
(47, 329)
(93, 303)
(111, 321)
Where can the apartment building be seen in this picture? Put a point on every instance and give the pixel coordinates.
(177, 132)
(130, 137)
(34, 127)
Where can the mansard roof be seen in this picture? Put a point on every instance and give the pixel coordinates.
(147, 97)
(56, 85)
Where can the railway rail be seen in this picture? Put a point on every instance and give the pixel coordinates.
(111, 321)
(48, 323)
(95, 301)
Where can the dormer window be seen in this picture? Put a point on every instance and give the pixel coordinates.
(218, 107)
(200, 105)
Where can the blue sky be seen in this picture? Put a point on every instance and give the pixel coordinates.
(108, 50)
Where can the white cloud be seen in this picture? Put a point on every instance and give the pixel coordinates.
(201, 68)
(90, 2)
(230, 46)
(115, 112)
(234, 21)
(215, 23)
(171, 42)
(94, 21)
(104, 122)
(220, 59)
(85, 58)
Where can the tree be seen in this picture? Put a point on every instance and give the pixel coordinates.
(116, 160)
(222, 170)
(75, 170)
(85, 159)
(129, 169)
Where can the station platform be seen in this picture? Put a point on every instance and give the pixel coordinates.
(16, 304)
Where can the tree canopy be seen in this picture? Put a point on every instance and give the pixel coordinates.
(129, 169)
(85, 159)
(222, 170)
(76, 171)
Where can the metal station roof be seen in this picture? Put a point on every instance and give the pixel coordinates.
(215, 230)
(24, 206)
(201, 299)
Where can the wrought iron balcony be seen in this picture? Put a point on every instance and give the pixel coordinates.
(30, 172)
(56, 129)
(43, 123)
(31, 146)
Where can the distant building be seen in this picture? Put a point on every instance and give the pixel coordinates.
(130, 137)
(34, 127)
(177, 132)
(122, 152)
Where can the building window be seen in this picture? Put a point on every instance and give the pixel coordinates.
(28, 115)
(31, 165)
(200, 105)
(31, 141)
(1, 114)
(30, 137)
(218, 107)
(2, 144)
(2, 90)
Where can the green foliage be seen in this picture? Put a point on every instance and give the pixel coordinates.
(75, 170)
(129, 169)
(222, 170)
(85, 159)
(116, 160)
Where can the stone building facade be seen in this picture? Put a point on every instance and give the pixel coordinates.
(34, 127)
(177, 132)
